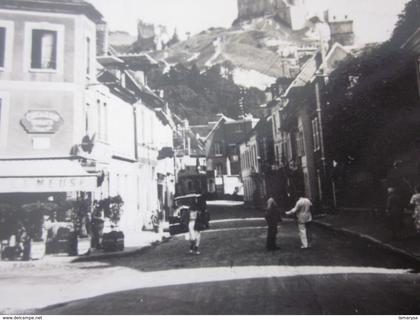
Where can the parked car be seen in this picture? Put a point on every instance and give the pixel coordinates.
(178, 223)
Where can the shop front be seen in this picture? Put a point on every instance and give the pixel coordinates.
(44, 207)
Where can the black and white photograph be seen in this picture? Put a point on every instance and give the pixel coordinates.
(209, 158)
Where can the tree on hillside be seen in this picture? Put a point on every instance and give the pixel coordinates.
(407, 24)
(364, 95)
(200, 95)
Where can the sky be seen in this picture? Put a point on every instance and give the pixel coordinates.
(374, 20)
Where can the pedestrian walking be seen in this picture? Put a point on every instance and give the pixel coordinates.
(272, 216)
(395, 210)
(302, 211)
(415, 200)
(195, 226)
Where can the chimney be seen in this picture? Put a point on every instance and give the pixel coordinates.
(101, 39)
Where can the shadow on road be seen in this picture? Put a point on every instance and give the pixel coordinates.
(236, 275)
(297, 295)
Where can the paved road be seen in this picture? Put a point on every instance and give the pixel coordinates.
(234, 275)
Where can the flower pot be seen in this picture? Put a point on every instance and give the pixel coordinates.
(83, 245)
(37, 250)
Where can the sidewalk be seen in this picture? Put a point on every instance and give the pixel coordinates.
(134, 243)
(374, 227)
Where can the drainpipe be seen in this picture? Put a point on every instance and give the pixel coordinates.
(320, 123)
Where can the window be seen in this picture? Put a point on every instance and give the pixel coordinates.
(245, 160)
(255, 157)
(4, 105)
(99, 118)
(300, 144)
(316, 134)
(1, 116)
(6, 44)
(102, 109)
(289, 147)
(88, 54)
(219, 170)
(218, 149)
(2, 46)
(105, 121)
(252, 157)
(233, 153)
(44, 49)
(283, 149)
(87, 119)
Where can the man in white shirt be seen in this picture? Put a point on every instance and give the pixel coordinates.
(302, 210)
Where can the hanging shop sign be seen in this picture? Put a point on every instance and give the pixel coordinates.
(42, 121)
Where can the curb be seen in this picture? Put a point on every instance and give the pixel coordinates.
(367, 238)
(122, 254)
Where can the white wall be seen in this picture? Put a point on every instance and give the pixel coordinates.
(121, 127)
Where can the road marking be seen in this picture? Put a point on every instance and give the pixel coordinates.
(225, 203)
(223, 230)
(233, 229)
(245, 219)
(236, 220)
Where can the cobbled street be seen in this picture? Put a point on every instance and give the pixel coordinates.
(233, 275)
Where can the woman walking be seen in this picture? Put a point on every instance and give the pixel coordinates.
(195, 227)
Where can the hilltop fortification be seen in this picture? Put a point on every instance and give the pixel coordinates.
(292, 12)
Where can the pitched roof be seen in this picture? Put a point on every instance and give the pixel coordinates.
(313, 66)
(201, 130)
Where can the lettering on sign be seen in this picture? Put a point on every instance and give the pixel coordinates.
(49, 184)
(41, 121)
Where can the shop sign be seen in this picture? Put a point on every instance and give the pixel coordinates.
(42, 121)
(48, 184)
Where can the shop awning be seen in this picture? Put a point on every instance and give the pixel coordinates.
(53, 175)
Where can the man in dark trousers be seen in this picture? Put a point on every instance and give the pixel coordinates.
(395, 210)
(272, 217)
